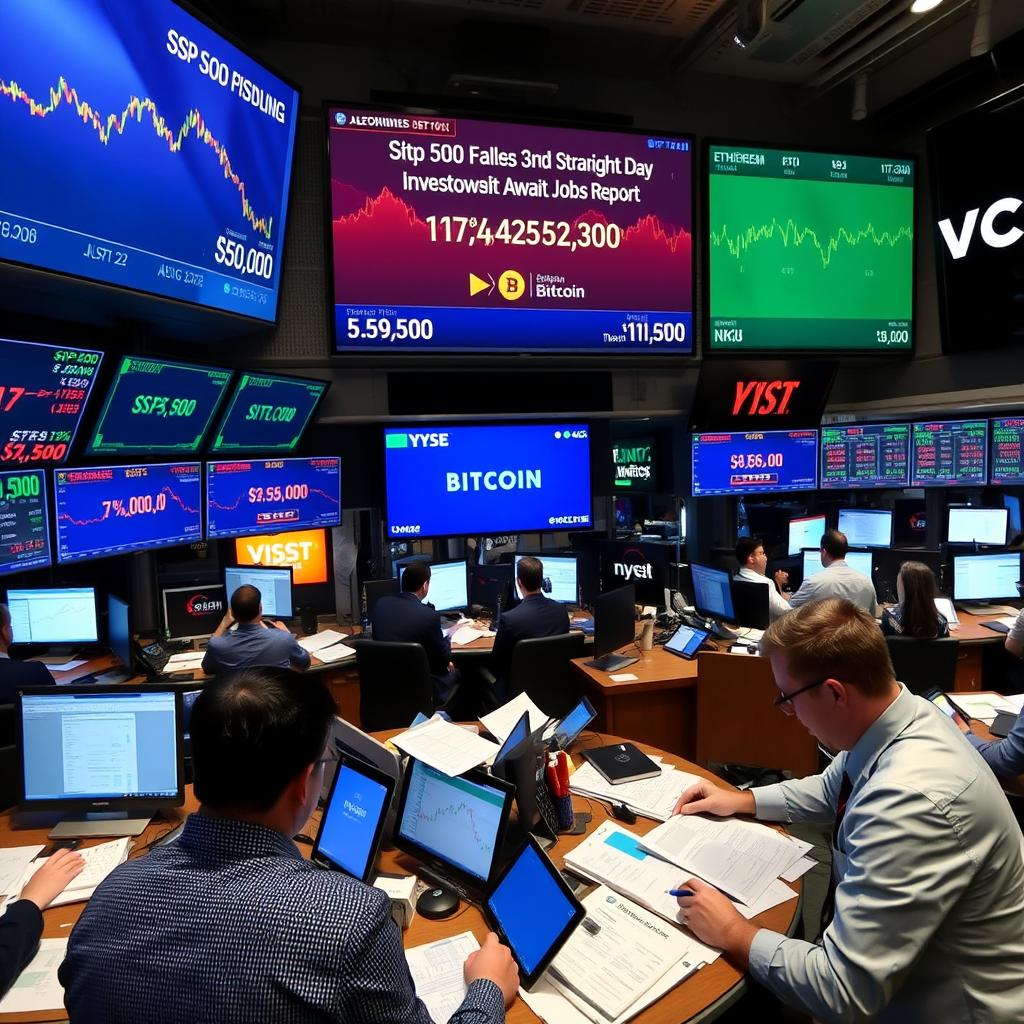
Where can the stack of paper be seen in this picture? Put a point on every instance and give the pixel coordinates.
(13, 862)
(37, 987)
(437, 973)
(651, 798)
(185, 661)
(335, 652)
(985, 706)
(467, 634)
(318, 641)
(449, 748)
(501, 722)
(99, 862)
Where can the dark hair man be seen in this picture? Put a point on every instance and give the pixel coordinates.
(16, 675)
(927, 863)
(229, 923)
(753, 561)
(838, 579)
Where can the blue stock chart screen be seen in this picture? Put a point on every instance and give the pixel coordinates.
(759, 461)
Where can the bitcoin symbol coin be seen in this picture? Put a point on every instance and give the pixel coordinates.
(511, 285)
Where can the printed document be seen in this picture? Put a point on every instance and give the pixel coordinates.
(335, 652)
(437, 973)
(37, 987)
(13, 862)
(320, 640)
(449, 748)
(501, 722)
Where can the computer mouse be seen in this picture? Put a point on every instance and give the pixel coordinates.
(623, 813)
(437, 902)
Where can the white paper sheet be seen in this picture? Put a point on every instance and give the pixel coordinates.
(320, 640)
(467, 634)
(437, 973)
(186, 658)
(984, 706)
(795, 871)
(501, 722)
(37, 987)
(653, 798)
(335, 653)
(13, 862)
(623, 677)
(446, 747)
(64, 666)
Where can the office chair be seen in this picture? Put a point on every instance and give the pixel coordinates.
(394, 684)
(541, 668)
(923, 665)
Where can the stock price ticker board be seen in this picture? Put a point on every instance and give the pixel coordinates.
(809, 251)
(154, 406)
(1006, 461)
(111, 510)
(143, 150)
(270, 495)
(43, 393)
(754, 462)
(24, 529)
(865, 455)
(947, 453)
(513, 237)
(267, 413)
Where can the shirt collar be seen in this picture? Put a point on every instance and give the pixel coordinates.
(248, 627)
(214, 838)
(880, 734)
(750, 574)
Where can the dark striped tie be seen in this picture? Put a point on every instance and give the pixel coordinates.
(828, 908)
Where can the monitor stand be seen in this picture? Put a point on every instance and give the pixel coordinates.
(611, 662)
(96, 824)
(712, 626)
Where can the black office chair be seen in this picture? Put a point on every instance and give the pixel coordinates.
(541, 668)
(923, 665)
(394, 684)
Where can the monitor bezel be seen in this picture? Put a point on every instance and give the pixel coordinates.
(801, 519)
(80, 640)
(708, 612)
(974, 508)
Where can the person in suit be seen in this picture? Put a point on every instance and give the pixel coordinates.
(405, 618)
(255, 641)
(534, 616)
(16, 675)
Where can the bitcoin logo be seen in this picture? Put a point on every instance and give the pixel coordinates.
(511, 285)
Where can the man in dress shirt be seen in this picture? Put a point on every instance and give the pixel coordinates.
(229, 924)
(16, 675)
(255, 641)
(753, 561)
(837, 579)
(927, 857)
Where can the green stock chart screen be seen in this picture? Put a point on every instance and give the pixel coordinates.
(809, 251)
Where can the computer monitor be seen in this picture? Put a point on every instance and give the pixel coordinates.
(53, 615)
(448, 586)
(374, 590)
(614, 627)
(864, 527)
(986, 577)
(112, 751)
(119, 630)
(712, 593)
(805, 532)
(350, 742)
(859, 560)
(274, 585)
(977, 526)
(750, 602)
(1012, 505)
(490, 585)
(561, 582)
(888, 562)
(193, 613)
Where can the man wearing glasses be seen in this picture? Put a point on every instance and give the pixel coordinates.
(924, 918)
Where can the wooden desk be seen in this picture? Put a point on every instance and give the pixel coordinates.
(975, 639)
(1015, 786)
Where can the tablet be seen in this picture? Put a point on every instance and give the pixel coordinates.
(686, 641)
(566, 731)
(352, 825)
(945, 705)
(533, 910)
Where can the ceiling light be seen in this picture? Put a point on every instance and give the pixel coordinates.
(923, 6)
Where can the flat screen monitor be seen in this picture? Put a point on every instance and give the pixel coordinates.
(754, 462)
(805, 532)
(255, 496)
(456, 825)
(267, 413)
(645, 565)
(105, 748)
(750, 602)
(712, 593)
(561, 581)
(119, 629)
(448, 586)
(487, 480)
(977, 526)
(490, 586)
(45, 391)
(156, 407)
(514, 237)
(565, 732)
(949, 453)
(274, 585)
(305, 551)
(634, 466)
(112, 510)
(865, 455)
(1006, 451)
(24, 524)
(193, 613)
(53, 615)
(865, 527)
(374, 590)
(859, 560)
(182, 148)
(1012, 505)
(809, 251)
(614, 620)
(986, 577)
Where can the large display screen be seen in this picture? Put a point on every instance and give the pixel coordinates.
(142, 149)
(1006, 461)
(487, 480)
(948, 453)
(43, 393)
(111, 510)
(261, 495)
(513, 237)
(759, 461)
(809, 250)
(24, 531)
(267, 413)
(155, 406)
(865, 455)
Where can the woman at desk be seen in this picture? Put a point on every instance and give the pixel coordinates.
(915, 615)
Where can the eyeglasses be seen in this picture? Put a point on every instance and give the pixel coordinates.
(784, 698)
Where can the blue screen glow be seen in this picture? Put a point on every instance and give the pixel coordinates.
(350, 820)
(756, 462)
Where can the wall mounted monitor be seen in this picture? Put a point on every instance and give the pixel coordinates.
(809, 251)
(561, 577)
(487, 480)
(112, 510)
(304, 551)
(267, 413)
(859, 560)
(154, 407)
(254, 496)
(949, 453)
(1006, 457)
(645, 565)
(805, 532)
(24, 525)
(865, 455)
(182, 148)
(43, 393)
(448, 586)
(53, 615)
(754, 462)
(193, 613)
(514, 237)
(633, 465)
(986, 577)
(977, 526)
(274, 585)
(866, 527)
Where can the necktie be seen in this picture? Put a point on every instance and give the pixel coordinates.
(829, 906)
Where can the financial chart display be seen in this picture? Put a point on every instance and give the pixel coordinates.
(267, 413)
(809, 251)
(111, 510)
(487, 480)
(949, 453)
(24, 531)
(155, 406)
(181, 146)
(265, 495)
(513, 237)
(43, 393)
(1006, 461)
(865, 455)
(763, 461)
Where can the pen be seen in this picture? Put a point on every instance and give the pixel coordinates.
(680, 892)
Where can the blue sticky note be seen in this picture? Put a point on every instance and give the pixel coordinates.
(627, 844)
